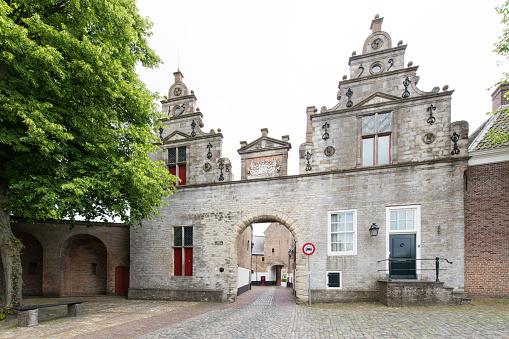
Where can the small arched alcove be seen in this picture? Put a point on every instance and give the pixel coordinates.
(84, 266)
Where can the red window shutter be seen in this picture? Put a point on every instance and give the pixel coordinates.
(177, 261)
(182, 174)
(172, 170)
(188, 265)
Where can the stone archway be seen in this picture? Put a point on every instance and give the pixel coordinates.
(31, 263)
(84, 266)
(262, 217)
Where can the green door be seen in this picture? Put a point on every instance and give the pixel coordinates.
(402, 251)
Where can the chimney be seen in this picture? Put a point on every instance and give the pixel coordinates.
(265, 131)
(498, 97)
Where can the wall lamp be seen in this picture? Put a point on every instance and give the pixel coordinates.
(373, 230)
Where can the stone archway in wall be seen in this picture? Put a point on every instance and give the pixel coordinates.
(267, 217)
(84, 266)
(31, 263)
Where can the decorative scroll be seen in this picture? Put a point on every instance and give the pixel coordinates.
(391, 62)
(209, 154)
(308, 157)
(325, 136)
(406, 83)
(221, 168)
(263, 169)
(431, 120)
(361, 67)
(455, 137)
(349, 94)
(193, 125)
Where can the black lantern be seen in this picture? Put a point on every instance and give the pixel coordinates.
(373, 230)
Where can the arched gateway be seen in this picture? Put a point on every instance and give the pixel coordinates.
(386, 154)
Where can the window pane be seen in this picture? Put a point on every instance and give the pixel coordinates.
(384, 147)
(172, 155)
(367, 151)
(410, 225)
(384, 122)
(368, 125)
(349, 227)
(402, 225)
(334, 218)
(334, 247)
(334, 227)
(394, 215)
(182, 154)
(410, 214)
(394, 225)
(341, 227)
(349, 217)
(177, 236)
(188, 236)
(334, 238)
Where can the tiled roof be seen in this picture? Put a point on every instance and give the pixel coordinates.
(481, 139)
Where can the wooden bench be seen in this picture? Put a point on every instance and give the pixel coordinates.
(27, 315)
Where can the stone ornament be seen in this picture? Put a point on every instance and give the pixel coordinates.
(377, 43)
(263, 169)
(177, 91)
(429, 138)
(376, 68)
(329, 151)
(207, 167)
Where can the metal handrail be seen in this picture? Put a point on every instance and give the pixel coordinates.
(436, 269)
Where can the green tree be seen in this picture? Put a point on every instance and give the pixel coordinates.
(502, 49)
(76, 123)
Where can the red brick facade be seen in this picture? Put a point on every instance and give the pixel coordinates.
(487, 230)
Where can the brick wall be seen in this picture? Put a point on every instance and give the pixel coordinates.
(67, 255)
(486, 230)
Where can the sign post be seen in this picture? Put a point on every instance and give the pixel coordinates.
(309, 249)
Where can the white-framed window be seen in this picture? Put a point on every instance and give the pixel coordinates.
(342, 235)
(404, 219)
(376, 139)
(334, 280)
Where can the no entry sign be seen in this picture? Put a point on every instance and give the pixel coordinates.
(308, 248)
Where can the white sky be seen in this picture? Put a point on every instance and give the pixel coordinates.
(259, 64)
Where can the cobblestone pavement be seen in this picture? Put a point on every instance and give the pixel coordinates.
(263, 312)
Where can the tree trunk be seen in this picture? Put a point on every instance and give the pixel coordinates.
(10, 250)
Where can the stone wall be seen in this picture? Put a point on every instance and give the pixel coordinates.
(486, 225)
(221, 211)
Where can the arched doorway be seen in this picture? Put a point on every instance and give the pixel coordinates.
(85, 266)
(274, 217)
(31, 263)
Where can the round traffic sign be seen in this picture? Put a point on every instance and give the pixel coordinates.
(308, 248)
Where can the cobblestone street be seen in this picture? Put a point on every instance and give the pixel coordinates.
(263, 312)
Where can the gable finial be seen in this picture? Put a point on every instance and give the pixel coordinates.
(376, 24)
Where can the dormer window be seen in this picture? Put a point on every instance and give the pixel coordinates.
(376, 139)
(177, 163)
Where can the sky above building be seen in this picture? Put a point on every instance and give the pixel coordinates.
(259, 64)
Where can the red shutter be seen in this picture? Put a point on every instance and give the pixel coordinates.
(177, 261)
(182, 174)
(173, 170)
(188, 265)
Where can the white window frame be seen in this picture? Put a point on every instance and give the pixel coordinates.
(416, 231)
(354, 251)
(340, 280)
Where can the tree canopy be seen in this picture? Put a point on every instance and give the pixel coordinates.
(502, 49)
(76, 123)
